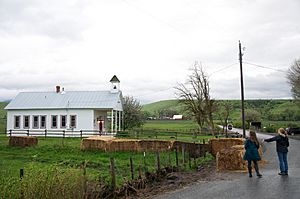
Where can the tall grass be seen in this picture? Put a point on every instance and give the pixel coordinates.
(48, 182)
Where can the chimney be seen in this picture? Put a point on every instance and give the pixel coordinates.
(57, 89)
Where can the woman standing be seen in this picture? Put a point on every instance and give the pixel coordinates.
(282, 144)
(252, 155)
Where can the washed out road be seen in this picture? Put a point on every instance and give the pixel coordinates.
(270, 186)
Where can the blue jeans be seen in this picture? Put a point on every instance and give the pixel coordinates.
(283, 164)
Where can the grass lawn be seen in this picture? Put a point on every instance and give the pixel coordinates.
(182, 125)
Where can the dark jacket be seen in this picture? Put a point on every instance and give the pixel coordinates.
(251, 151)
(282, 143)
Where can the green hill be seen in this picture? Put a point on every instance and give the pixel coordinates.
(276, 110)
(153, 108)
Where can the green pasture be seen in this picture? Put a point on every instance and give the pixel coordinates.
(62, 160)
(174, 125)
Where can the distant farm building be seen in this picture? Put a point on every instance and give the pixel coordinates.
(61, 110)
(177, 117)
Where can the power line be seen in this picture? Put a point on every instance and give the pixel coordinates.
(154, 92)
(222, 69)
(146, 12)
(265, 67)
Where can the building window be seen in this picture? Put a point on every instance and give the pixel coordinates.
(35, 124)
(63, 121)
(73, 121)
(43, 122)
(17, 121)
(26, 122)
(53, 121)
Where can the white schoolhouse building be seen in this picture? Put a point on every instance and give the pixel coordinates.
(59, 111)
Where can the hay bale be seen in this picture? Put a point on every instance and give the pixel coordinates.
(231, 158)
(217, 144)
(23, 141)
(95, 142)
(122, 145)
(113, 144)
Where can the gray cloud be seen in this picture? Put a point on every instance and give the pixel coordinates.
(81, 44)
(270, 86)
(55, 19)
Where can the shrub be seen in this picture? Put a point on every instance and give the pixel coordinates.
(271, 129)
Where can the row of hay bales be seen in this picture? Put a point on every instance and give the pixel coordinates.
(133, 145)
(228, 151)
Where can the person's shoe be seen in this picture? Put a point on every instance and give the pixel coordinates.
(250, 175)
(259, 175)
(286, 173)
(281, 173)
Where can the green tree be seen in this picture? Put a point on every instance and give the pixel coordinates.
(133, 115)
(223, 111)
(252, 115)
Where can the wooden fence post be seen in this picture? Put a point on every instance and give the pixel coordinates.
(169, 159)
(10, 132)
(113, 173)
(145, 165)
(131, 168)
(27, 132)
(183, 153)
(64, 132)
(21, 173)
(45, 133)
(200, 150)
(80, 134)
(190, 164)
(21, 177)
(176, 156)
(158, 161)
(140, 172)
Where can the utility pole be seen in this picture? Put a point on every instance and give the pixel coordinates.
(242, 89)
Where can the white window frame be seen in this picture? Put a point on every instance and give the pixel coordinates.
(66, 118)
(73, 126)
(15, 117)
(38, 120)
(26, 116)
(41, 126)
(54, 127)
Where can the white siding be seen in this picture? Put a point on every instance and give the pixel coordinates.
(85, 117)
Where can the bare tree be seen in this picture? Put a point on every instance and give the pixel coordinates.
(195, 96)
(293, 76)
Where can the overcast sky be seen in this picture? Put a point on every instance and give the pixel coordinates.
(149, 44)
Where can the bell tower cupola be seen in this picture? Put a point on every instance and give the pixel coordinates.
(115, 84)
